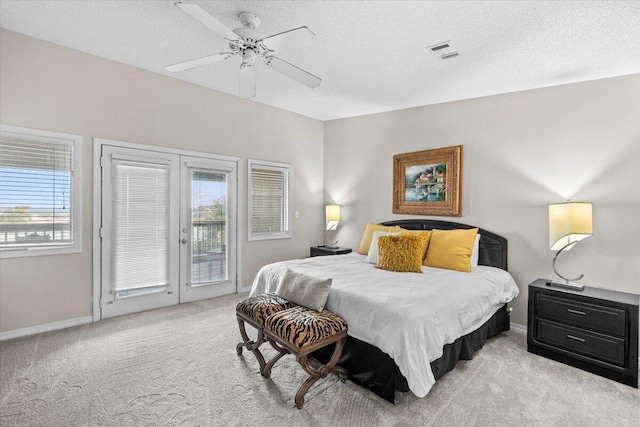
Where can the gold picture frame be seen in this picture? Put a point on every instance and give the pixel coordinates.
(428, 182)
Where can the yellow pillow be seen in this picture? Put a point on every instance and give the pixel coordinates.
(368, 235)
(401, 252)
(451, 249)
(426, 233)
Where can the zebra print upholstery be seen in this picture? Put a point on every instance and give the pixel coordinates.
(262, 306)
(301, 326)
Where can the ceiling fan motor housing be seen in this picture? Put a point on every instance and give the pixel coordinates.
(249, 44)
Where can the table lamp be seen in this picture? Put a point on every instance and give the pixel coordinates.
(569, 223)
(332, 217)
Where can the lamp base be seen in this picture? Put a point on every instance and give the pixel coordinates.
(568, 285)
(331, 245)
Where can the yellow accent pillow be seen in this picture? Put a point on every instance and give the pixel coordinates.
(426, 233)
(451, 249)
(368, 235)
(401, 252)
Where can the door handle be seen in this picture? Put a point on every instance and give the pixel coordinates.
(184, 241)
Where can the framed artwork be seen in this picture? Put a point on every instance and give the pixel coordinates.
(428, 182)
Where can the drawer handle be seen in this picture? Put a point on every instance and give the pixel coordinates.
(579, 313)
(577, 339)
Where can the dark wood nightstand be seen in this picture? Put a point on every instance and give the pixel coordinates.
(594, 329)
(323, 250)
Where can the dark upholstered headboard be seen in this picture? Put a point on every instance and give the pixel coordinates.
(493, 248)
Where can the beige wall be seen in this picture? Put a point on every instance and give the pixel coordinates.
(522, 151)
(45, 86)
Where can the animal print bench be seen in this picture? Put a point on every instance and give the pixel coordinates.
(292, 329)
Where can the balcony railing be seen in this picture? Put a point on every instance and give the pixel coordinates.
(208, 237)
(209, 253)
(31, 232)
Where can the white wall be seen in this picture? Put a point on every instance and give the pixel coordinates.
(521, 152)
(45, 86)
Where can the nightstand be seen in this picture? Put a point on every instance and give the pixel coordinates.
(323, 250)
(594, 329)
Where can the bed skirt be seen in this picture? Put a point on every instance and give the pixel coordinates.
(370, 367)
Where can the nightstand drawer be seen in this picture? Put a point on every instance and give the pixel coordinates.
(602, 347)
(589, 316)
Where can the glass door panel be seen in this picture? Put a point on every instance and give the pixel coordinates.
(208, 227)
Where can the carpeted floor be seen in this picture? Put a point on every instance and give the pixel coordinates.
(178, 366)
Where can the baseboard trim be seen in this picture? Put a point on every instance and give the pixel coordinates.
(244, 289)
(38, 329)
(518, 328)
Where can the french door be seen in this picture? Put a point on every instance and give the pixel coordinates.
(207, 228)
(168, 229)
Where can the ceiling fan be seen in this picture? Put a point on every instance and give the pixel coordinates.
(251, 45)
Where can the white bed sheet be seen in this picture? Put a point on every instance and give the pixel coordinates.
(409, 316)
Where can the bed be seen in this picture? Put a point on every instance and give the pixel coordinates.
(406, 330)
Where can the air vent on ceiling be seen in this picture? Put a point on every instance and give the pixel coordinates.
(443, 50)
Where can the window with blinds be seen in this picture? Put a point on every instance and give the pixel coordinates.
(38, 201)
(269, 204)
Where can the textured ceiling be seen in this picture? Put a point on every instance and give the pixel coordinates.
(371, 55)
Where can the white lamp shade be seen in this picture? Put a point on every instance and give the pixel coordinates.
(569, 223)
(332, 216)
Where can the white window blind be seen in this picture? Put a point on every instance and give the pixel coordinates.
(37, 195)
(269, 216)
(140, 209)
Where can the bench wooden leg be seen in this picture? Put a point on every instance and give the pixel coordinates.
(318, 370)
(266, 372)
(251, 346)
(304, 389)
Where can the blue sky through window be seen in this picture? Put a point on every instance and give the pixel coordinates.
(46, 192)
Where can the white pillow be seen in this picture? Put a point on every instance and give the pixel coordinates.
(475, 252)
(372, 256)
(309, 291)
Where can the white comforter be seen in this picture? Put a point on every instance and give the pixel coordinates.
(409, 316)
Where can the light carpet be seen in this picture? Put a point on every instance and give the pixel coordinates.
(178, 366)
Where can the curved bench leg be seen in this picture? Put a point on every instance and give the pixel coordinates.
(319, 371)
(304, 389)
(251, 346)
(266, 371)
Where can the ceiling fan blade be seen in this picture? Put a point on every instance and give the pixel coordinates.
(289, 39)
(247, 81)
(293, 72)
(198, 62)
(209, 21)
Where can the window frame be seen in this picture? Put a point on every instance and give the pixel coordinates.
(75, 190)
(285, 168)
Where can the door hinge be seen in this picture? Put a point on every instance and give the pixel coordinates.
(100, 303)
(101, 232)
(101, 161)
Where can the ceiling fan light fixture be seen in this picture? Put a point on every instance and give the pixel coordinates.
(249, 57)
(252, 45)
